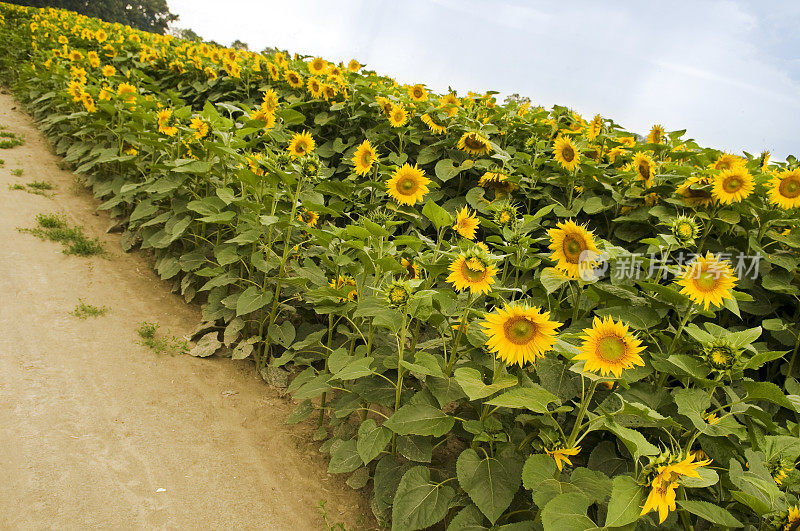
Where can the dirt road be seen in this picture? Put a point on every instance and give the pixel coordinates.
(97, 431)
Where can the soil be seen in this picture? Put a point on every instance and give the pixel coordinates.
(98, 431)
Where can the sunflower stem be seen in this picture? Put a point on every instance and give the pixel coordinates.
(462, 324)
(585, 399)
(401, 343)
(689, 313)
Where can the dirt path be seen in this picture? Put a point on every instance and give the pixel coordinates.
(93, 426)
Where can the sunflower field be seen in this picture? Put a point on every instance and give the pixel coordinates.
(498, 316)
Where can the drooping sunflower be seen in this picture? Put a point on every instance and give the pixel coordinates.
(364, 157)
(473, 271)
(412, 271)
(474, 143)
(665, 475)
(466, 223)
(694, 193)
(566, 154)
(434, 128)
(732, 186)
(163, 118)
(656, 135)
(418, 93)
(784, 189)
(309, 217)
(561, 455)
(200, 127)
(518, 334)
(643, 166)
(301, 144)
(274, 72)
(397, 115)
(609, 348)
(727, 161)
(708, 280)
(595, 127)
(408, 185)
(573, 248)
(317, 66)
(293, 78)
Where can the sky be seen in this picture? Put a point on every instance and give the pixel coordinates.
(726, 71)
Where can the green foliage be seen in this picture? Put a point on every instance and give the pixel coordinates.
(146, 15)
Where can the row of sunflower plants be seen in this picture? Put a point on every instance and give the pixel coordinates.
(498, 316)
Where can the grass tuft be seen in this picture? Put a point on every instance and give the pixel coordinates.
(83, 310)
(54, 227)
(148, 332)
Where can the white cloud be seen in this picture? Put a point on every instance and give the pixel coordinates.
(727, 71)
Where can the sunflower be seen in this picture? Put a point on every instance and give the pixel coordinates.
(412, 272)
(353, 66)
(595, 127)
(562, 455)
(434, 128)
(274, 73)
(472, 270)
(466, 224)
(328, 91)
(608, 348)
(88, 102)
(408, 185)
(270, 101)
(565, 153)
(692, 194)
(642, 166)
(785, 189)
(519, 334)
(163, 118)
(727, 162)
(301, 144)
(418, 93)
(314, 87)
(108, 71)
(789, 520)
(505, 214)
(200, 127)
(397, 115)
(665, 481)
(364, 157)
(318, 66)
(656, 135)
(708, 280)
(293, 78)
(570, 244)
(309, 217)
(764, 161)
(732, 186)
(345, 282)
(474, 143)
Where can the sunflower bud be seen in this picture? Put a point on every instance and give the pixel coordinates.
(505, 214)
(722, 356)
(685, 230)
(398, 293)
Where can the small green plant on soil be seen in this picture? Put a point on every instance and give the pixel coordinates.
(328, 525)
(2, 163)
(54, 227)
(160, 344)
(18, 172)
(35, 187)
(10, 140)
(83, 310)
(41, 185)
